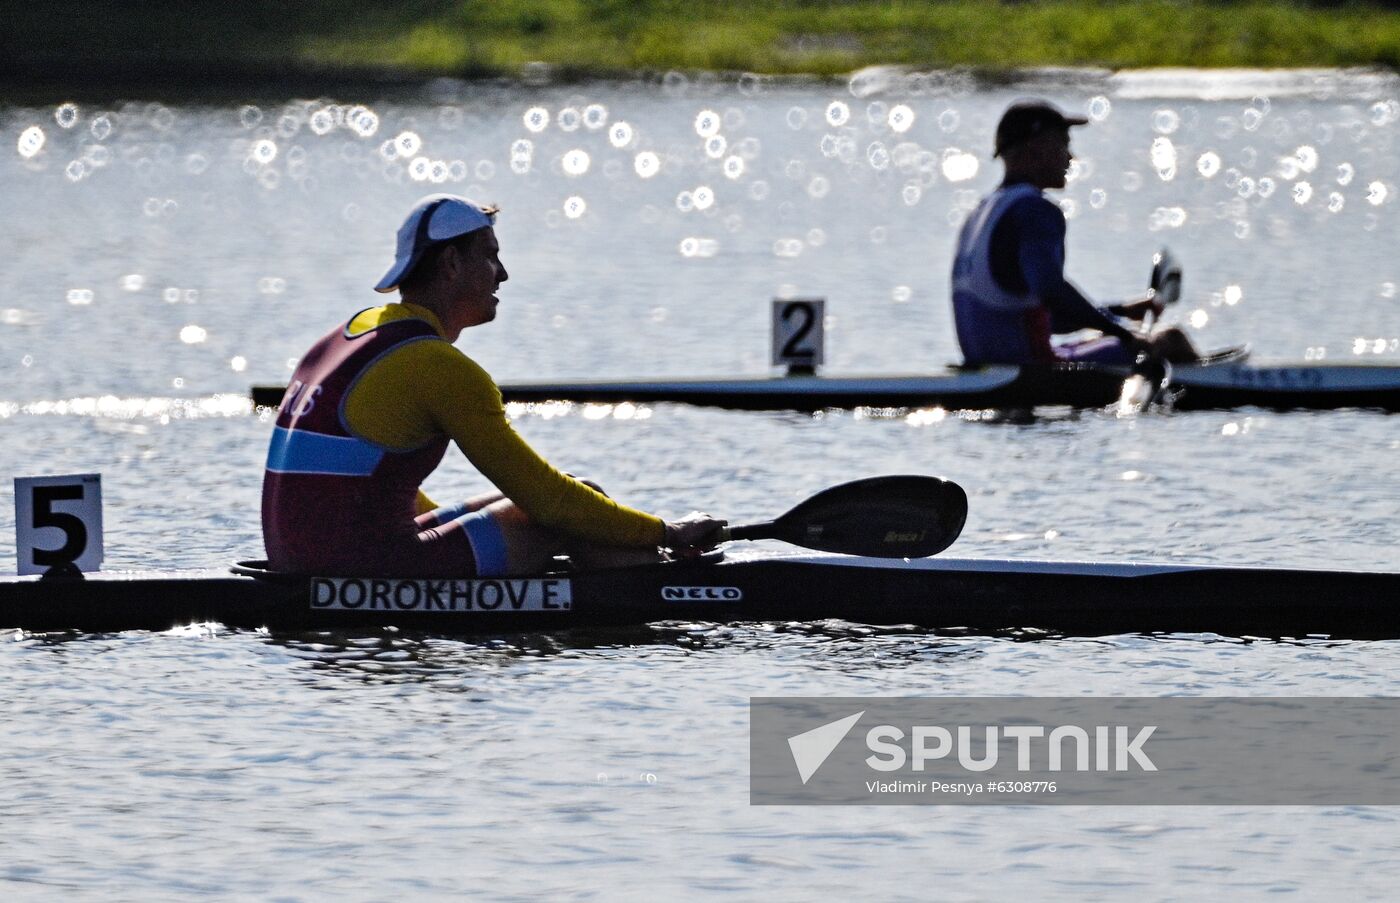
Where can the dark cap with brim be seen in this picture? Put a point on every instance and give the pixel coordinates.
(1025, 119)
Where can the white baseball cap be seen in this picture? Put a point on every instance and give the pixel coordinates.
(436, 218)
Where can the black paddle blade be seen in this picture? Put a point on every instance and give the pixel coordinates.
(884, 517)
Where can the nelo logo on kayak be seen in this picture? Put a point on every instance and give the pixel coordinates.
(898, 537)
(1294, 378)
(486, 595)
(702, 593)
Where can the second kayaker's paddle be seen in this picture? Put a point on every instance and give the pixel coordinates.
(885, 517)
(1151, 374)
(1165, 282)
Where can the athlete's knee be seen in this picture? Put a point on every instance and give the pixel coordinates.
(530, 549)
(508, 513)
(1174, 346)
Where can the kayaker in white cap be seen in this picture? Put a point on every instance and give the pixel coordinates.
(370, 412)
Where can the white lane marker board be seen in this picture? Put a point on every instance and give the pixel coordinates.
(58, 521)
(799, 334)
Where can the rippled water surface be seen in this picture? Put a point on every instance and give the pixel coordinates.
(155, 261)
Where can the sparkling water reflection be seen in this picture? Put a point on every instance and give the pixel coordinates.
(211, 207)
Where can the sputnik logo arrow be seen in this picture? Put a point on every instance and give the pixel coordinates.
(811, 748)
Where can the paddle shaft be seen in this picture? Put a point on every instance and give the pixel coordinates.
(748, 531)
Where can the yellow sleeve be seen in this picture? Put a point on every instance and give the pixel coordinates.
(429, 388)
(477, 422)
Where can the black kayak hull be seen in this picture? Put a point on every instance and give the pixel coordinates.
(981, 596)
(1223, 382)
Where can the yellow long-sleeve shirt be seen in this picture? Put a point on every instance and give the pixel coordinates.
(424, 390)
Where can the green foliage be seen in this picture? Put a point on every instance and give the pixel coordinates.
(774, 36)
